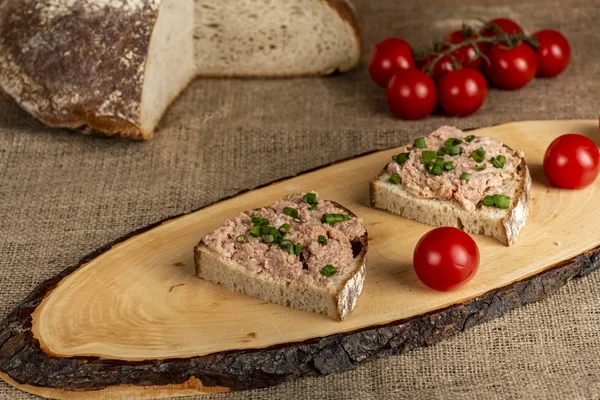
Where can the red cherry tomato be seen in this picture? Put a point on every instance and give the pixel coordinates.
(389, 57)
(411, 94)
(466, 56)
(553, 53)
(511, 68)
(446, 258)
(441, 68)
(462, 92)
(572, 161)
(500, 25)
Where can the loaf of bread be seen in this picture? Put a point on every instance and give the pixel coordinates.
(480, 185)
(300, 252)
(114, 66)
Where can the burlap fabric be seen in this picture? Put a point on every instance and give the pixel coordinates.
(63, 195)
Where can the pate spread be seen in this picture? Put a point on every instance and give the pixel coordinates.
(320, 244)
(468, 178)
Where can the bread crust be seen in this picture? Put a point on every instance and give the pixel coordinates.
(344, 295)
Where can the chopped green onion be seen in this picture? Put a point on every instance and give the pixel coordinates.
(442, 152)
(298, 220)
(287, 245)
(429, 167)
(464, 176)
(420, 143)
(297, 249)
(469, 138)
(268, 238)
(322, 240)
(334, 218)
(437, 171)
(401, 158)
(478, 155)
(241, 239)
(255, 230)
(489, 201)
(502, 201)
(480, 167)
(452, 142)
(439, 162)
(498, 162)
(283, 229)
(449, 166)
(310, 198)
(428, 156)
(290, 211)
(314, 207)
(256, 218)
(328, 271)
(454, 150)
(395, 179)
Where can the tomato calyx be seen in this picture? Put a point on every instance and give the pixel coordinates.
(431, 56)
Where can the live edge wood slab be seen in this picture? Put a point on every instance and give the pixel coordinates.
(131, 321)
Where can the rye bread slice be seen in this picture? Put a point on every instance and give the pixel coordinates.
(502, 224)
(336, 301)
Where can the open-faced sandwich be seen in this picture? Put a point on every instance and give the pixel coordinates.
(301, 252)
(451, 178)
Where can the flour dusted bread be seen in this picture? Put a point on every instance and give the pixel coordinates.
(114, 66)
(483, 189)
(310, 265)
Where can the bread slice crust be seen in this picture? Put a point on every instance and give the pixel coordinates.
(504, 225)
(336, 302)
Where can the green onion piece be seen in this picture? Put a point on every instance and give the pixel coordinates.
(265, 230)
(469, 138)
(502, 201)
(241, 239)
(449, 166)
(454, 150)
(442, 152)
(439, 162)
(283, 229)
(428, 156)
(256, 218)
(489, 201)
(328, 270)
(464, 176)
(452, 142)
(310, 198)
(498, 162)
(255, 230)
(314, 207)
(437, 171)
(480, 167)
(401, 158)
(429, 167)
(298, 220)
(292, 212)
(268, 238)
(478, 155)
(395, 179)
(322, 240)
(287, 245)
(334, 218)
(297, 249)
(420, 143)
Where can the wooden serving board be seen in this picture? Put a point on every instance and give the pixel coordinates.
(131, 320)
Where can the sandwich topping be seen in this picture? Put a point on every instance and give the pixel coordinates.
(301, 238)
(449, 164)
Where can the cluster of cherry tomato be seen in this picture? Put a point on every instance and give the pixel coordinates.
(446, 258)
(454, 73)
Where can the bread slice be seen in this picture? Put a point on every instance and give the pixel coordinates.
(275, 38)
(336, 300)
(114, 67)
(502, 224)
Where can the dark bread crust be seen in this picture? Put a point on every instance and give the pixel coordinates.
(81, 67)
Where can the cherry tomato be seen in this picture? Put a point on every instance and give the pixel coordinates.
(553, 53)
(389, 57)
(572, 161)
(466, 56)
(411, 94)
(446, 258)
(511, 68)
(500, 25)
(462, 92)
(441, 68)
